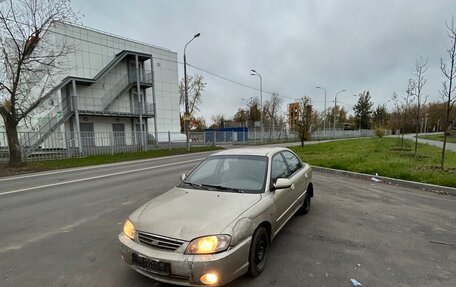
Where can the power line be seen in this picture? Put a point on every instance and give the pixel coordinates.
(236, 82)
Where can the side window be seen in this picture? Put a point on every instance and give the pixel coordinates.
(293, 162)
(278, 168)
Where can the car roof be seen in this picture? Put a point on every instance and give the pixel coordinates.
(258, 151)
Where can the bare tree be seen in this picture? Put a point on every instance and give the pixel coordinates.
(449, 72)
(303, 125)
(417, 89)
(196, 86)
(218, 121)
(407, 101)
(30, 60)
(396, 115)
(272, 108)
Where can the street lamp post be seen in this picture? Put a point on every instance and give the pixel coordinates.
(324, 118)
(186, 115)
(255, 73)
(334, 113)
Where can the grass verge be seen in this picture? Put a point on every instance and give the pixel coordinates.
(385, 157)
(438, 138)
(35, 166)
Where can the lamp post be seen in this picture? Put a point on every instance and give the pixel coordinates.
(334, 113)
(324, 118)
(186, 115)
(255, 73)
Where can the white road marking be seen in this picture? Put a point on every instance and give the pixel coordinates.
(97, 166)
(99, 176)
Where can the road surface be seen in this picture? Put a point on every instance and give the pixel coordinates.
(60, 229)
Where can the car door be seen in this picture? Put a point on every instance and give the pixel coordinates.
(298, 176)
(283, 198)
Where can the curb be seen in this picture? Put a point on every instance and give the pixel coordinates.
(405, 183)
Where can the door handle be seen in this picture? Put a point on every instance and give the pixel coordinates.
(293, 186)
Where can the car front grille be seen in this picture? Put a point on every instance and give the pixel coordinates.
(158, 241)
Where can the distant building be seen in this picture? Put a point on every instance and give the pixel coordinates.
(98, 93)
(293, 114)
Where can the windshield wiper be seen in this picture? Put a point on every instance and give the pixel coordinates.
(223, 188)
(194, 185)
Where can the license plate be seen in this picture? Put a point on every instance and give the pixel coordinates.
(150, 265)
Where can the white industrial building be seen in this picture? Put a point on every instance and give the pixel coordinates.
(98, 93)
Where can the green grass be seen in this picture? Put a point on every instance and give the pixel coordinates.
(385, 157)
(35, 166)
(438, 138)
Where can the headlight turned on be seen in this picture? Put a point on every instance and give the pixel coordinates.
(209, 244)
(129, 229)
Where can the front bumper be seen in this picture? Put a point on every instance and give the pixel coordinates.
(186, 270)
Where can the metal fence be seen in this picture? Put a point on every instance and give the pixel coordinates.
(60, 145)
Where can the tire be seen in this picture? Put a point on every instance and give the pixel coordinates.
(305, 208)
(258, 251)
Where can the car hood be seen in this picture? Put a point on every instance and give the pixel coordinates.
(189, 213)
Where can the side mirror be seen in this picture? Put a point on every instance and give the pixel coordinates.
(282, 183)
(183, 176)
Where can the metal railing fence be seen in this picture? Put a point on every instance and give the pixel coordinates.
(60, 145)
(95, 106)
(45, 125)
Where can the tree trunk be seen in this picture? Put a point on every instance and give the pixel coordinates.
(445, 131)
(15, 156)
(416, 137)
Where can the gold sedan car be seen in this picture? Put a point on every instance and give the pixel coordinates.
(217, 224)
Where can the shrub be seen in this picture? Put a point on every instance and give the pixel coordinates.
(380, 132)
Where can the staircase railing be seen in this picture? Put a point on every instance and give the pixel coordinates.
(46, 125)
(124, 83)
(114, 92)
(146, 79)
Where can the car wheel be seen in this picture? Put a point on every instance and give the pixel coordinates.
(305, 208)
(258, 251)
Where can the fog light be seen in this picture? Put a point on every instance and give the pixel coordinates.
(209, 279)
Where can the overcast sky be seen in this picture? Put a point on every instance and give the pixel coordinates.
(354, 45)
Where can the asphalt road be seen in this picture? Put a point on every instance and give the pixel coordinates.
(60, 229)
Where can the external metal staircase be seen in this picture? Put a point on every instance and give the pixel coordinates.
(123, 85)
(32, 140)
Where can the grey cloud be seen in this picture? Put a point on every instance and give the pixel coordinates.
(354, 45)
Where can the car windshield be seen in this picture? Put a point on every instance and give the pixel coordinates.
(230, 173)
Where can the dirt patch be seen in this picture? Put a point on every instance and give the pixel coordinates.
(6, 170)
